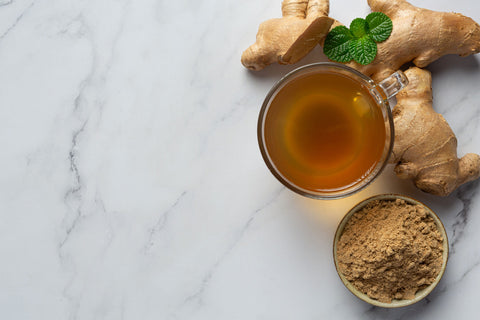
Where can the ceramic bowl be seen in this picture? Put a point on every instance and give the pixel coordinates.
(421, 293)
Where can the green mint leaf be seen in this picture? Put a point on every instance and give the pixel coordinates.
(336, 46)
(379, 26)
(359, 42)
(363, 50)
(359, 27)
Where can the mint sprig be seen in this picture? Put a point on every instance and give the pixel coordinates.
(359, 42)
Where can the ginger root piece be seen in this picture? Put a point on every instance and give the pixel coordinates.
(419, 35)
(425, 148)
(288, 39)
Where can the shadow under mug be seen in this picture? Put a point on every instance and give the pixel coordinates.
(283, 108)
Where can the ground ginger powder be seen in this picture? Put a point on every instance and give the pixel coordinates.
(390, 249)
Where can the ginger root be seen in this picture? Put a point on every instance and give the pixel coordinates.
(419, 35)
(288, 39)
(425, 148)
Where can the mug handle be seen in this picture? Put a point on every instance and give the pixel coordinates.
(393, 83)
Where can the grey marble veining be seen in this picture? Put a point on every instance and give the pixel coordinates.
(132, 186)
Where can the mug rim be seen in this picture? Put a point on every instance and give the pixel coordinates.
(290, 185)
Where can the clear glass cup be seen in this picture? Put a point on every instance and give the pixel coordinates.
(379, 94)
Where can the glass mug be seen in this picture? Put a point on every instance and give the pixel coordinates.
(326, 130)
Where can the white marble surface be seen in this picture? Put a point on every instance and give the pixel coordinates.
(132, 186)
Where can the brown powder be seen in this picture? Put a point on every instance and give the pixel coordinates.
(390, 249)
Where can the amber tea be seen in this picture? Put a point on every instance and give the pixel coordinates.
(324, 132)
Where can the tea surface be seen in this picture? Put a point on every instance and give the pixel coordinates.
(324, 132)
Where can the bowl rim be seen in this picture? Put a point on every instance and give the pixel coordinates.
(421, 293)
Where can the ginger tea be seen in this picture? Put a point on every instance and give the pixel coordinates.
(324, 132)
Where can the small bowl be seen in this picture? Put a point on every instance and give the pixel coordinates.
(421, 293)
